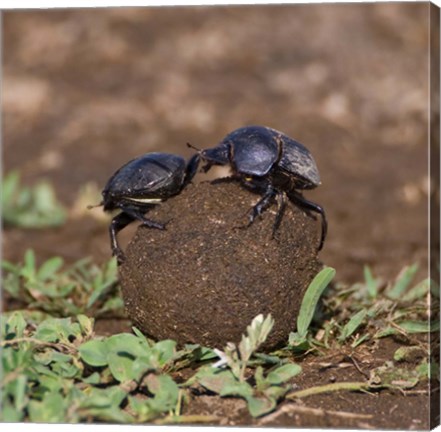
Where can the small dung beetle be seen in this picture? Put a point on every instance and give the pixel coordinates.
(269, 162)
(141, 184)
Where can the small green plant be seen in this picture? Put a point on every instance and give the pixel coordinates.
(227, 377)
(26, 207)
(56, 369)
(81, 288)
(59, 371)
(299, 340)
(373, 310)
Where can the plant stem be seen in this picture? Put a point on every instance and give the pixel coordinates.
(351, 386)
(57, 346)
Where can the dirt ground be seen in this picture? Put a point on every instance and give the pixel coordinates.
(84, 91)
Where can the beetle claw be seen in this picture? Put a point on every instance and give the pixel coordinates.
(166, 223)
(119, 255)
(151, 224)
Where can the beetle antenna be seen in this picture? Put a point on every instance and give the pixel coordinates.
(89, 207)
(193, 147)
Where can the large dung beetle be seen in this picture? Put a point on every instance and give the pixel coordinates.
(271, 163)
(141, 184)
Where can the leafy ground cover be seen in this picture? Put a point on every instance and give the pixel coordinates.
(56, 368)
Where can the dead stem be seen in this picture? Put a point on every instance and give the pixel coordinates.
(291, 408)
(172, 419)
(57, 346)
(351, 386)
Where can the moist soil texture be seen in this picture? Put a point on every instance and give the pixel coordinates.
(85, 91)
(207, 275)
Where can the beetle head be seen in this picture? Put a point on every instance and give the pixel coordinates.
(219, 155)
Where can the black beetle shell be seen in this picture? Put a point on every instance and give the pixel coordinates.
(296, 159)
(151, 176)
(256, 150)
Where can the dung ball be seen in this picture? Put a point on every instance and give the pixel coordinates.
(207, 275)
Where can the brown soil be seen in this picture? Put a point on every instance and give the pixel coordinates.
(204, 278)
(354, 410)
(84, 91)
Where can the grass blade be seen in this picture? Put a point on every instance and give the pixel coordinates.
(402, 282)
(419, 326)
(371, 283)
(352, 325)
(311, 298)
(417, 292)
(327, 388)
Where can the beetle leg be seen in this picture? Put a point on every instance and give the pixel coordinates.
(314, 207)
(207, 167)
(119, 222)
(281, 204)
(137, 215)
(192, 167)
(262, 204)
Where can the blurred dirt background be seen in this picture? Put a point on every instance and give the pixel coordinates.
(84, 91)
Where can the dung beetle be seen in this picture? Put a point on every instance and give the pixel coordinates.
(141, 184)
(271, 163)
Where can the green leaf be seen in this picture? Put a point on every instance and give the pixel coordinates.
(417, 292)
(371, 283)
(352, 325)
(52, 409)
(49, 268)
(360, 340)
(257, 332)
(283, 373)
(105, 397)
(104, 404)
(140, 335)
(141, 409)
(276, 391)
(48, 356)
(297, 342)
(17, 389)
(269, 359)
(121, 367)
(127, 343)
(419, 326)
(56, 329)
(311, 298)
(15, 325)
(86, 325)
(66, 370)
(403, 280)
(165, 351)
(9, 414)
(391, 376)
(9, 186)
(259, 406)
(94, 352)
(29, 264)
(237, 388)
(112, 415)
(30, 208)
(214, 380)
(165, 390)
(93, 379)
(388, 331)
